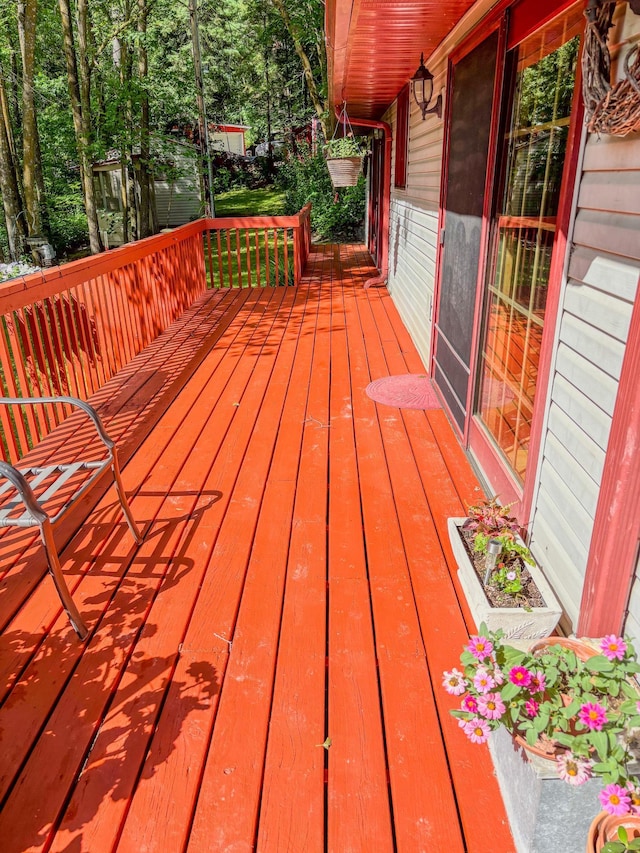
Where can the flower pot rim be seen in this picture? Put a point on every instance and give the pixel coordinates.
(603, 821)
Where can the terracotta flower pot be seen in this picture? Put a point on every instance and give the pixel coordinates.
(583, 651)
(543, 758)
(604, 827)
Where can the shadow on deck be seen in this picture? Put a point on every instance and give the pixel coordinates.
(264, 672)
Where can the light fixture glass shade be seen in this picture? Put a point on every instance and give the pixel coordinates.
(422, 82)
(422, 85)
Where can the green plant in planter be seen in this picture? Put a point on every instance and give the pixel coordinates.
(623, 844)
(345, 146)
(579, 709)
(488, 522)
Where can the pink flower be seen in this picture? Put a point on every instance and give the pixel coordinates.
(520, 675)
(498, 677)
(477, 730)
(470, 704)
(615, 800)
(482, 681)
(593, 716)
(532, 707)
(573, 770)
(491, 706)
(538, 682)
(453, 682)
(480, 647)
(613, 647)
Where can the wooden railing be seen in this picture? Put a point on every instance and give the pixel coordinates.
(67, 330)
(264, 251)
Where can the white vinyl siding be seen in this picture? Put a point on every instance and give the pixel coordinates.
(413, 229)
(594, 321)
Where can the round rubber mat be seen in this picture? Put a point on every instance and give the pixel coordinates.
(408, 391)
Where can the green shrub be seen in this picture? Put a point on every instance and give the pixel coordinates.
(337, 215)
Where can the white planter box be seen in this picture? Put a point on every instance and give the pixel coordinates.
(516, 622)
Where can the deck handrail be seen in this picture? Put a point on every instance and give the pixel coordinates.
(66, 330)
(258, 250)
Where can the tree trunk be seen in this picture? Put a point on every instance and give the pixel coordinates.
(145, 151)
(319, 104)
(10, 102)
(206, 172)
(9, 186)
(82, 127)
(33, 179)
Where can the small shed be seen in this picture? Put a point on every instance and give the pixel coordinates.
(228, 137)
(176, 193)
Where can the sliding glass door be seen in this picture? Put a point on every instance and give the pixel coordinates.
(538, 94)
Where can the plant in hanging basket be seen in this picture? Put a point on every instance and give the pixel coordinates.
(580, 707)
(344, 153)
(503, 585)
(344, 156)
(344, 146)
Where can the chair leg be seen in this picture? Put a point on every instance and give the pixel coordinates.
(55, 571)
(124, 503)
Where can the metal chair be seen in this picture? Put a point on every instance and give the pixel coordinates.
(25, 481)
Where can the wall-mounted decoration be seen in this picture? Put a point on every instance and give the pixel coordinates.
(608, 109)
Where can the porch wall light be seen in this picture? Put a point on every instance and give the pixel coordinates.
(422, 82)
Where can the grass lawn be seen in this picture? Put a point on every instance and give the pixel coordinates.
(244, 202)
(249, 254)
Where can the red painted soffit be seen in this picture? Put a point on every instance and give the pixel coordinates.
(374, 47)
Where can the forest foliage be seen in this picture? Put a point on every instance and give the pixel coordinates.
(82, 79)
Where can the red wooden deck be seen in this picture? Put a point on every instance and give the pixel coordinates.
(264, 672)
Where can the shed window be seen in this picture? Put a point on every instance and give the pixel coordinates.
(402, 137)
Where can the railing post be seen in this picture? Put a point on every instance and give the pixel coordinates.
(297, 253)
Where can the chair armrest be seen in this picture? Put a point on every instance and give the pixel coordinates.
(72, 401)
(24, 490)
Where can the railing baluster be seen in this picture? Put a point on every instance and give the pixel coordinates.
(285, 236)
(238, 258)
(91, 334)
(61, 305)
(130, 293)
(248, 257)
(53, 352)
(21, 352)
(107, 346)
(211, 274)
(31, 340)
(81, 361)
(8, 357)
(266, 257)
(229, 267)
(220, 272)
(276, 276)
(256, 239)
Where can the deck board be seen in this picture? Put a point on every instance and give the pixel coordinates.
(264, 671)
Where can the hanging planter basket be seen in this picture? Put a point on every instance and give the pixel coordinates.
(344, 154)
(344, 171)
